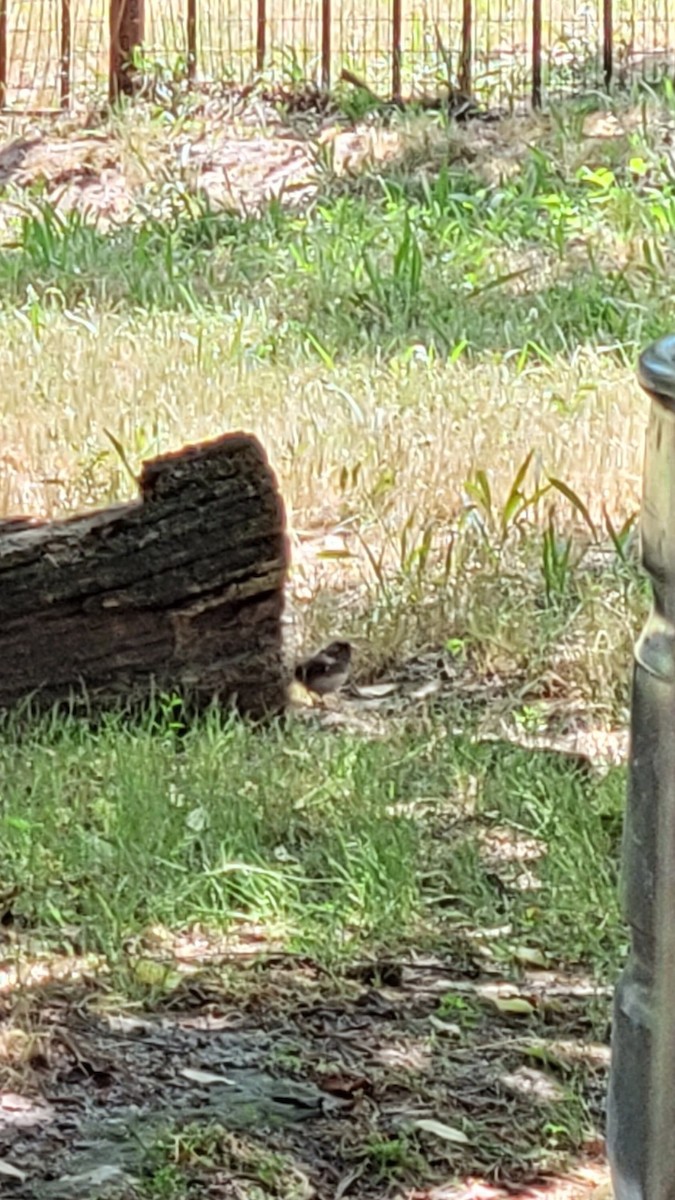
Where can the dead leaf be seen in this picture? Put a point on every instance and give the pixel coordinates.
(196, 1075)
(533, 1084)
(431, 688)
(197, 819)
(376, 691)
(345, 1086)
(11, 1172)
(448, 1027)
(517, 1005)
(530, 956)
(448, 1132)
(14, 1102)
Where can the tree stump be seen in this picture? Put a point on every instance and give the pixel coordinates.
(180, 591)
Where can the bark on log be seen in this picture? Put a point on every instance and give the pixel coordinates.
(181, 590)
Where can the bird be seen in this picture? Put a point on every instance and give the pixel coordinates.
(327, 671)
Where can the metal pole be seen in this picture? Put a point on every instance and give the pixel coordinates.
(465, 58)
(396, 22)
(641, 1102)
(326, 19)
(3, 53)
(657, 376)
(261, 36)
(607, 41)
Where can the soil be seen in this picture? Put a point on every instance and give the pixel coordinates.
(252, 1054)
(236, 149)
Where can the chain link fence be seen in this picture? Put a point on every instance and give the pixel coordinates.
(57, 52)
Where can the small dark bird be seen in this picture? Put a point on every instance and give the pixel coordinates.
(326, 671)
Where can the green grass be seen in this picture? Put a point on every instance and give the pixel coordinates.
(536, 268)
(336, 843)
(422, 347)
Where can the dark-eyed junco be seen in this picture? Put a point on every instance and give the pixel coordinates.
(326, 671)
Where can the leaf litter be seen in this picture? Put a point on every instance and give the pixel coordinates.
(432, 1085)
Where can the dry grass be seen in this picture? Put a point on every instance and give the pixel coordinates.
(362, 453)
(159, 383)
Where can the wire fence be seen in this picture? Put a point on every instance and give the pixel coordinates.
(58, 52)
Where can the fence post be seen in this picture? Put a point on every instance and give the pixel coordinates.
(607, 41)
(261, 36)
(396, 16)
(66, 29)
(326, 19)
(536, 53)
(191, 40)
(127, 30)
(465, 80)
(3, 53)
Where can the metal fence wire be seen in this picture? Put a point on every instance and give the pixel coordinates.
(56, 52)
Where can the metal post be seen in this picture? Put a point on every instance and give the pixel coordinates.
(261, 36)
(396, 21)
(641, 1105)
(607, 41)
(326, 19)
(657, 376)
(3, 53)
(127, 31)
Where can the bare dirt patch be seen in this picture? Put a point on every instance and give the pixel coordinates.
(240, 154)
(242, 149)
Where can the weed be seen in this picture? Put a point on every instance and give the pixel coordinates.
(392, 1158)
(164, 1183)
(181, 1157)
(463, 1010)
(557, 563)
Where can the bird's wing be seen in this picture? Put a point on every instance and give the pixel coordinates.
(323, 659)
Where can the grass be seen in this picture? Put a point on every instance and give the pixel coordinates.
(267, 1173)
(333, 844)
(438, 353)
(142, 868)
(406, 261)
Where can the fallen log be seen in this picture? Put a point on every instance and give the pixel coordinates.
(180, 591)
